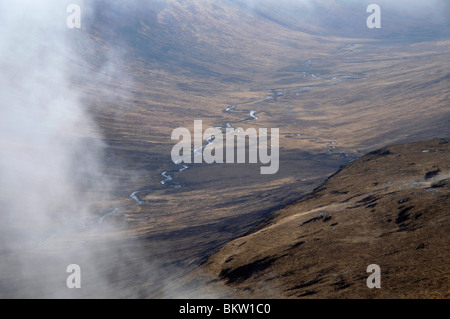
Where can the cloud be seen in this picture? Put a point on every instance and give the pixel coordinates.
(52, 183)
(47, 165)
(42, 121)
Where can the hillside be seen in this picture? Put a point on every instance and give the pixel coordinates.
(389, 207)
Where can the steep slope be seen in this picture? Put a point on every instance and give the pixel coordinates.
(389, 207)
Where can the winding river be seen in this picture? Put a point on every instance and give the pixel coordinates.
(248, 115)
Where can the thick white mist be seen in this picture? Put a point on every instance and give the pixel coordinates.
(42, 122)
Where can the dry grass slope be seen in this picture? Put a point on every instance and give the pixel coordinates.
(389, 207)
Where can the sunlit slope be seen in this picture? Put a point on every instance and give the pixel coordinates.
(389, 207)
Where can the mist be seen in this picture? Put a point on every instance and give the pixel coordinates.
(57, 201)
(51, 179)
(42, 121)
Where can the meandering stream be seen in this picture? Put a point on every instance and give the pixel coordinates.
(249, 111)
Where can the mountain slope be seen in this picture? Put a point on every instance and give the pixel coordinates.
(389, 207)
